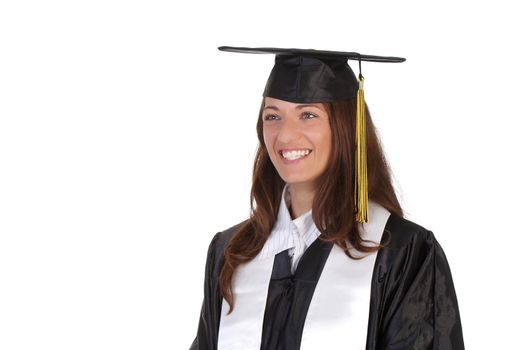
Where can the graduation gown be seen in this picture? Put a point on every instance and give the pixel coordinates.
(410, 301)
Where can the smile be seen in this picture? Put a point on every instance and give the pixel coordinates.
(295, 154)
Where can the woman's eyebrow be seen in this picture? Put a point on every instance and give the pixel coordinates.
(296, 107)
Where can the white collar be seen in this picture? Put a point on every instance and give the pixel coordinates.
(281, 237)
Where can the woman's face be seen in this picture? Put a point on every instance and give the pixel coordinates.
(298, 139)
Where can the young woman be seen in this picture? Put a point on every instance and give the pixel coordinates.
(317, 265)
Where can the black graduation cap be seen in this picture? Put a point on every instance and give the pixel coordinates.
(312, 76)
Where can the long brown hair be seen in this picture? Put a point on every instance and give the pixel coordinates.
(333, 205)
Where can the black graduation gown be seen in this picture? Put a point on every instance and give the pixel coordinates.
(413, 303)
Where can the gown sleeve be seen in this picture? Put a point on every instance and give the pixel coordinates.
(206, 327)
(420, 305)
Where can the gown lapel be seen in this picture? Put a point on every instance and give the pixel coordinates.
(289, 296)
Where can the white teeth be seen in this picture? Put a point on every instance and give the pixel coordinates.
(292, 155)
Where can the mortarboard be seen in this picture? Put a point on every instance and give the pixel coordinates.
(313, 76)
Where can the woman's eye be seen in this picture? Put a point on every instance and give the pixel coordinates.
(270, 117)
(309, 115)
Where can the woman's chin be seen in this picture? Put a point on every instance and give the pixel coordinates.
(294, 180)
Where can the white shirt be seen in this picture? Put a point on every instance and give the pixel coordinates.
(295, 235)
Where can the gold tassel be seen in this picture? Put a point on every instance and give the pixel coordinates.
(361, 177)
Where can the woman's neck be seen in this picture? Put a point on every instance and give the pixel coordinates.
(301, 198)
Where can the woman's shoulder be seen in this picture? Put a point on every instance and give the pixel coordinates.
(221, 238)
(219, 241)
(408, 246)
(401, 233)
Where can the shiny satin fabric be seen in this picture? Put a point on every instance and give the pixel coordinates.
(413, 300)
(243, 327)
(311, 79)
(413, 303)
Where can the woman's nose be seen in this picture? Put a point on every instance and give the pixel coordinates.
(288, 132)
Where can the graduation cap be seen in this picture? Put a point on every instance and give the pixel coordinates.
(313, 76)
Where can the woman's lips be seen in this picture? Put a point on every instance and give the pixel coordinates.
(300, 153)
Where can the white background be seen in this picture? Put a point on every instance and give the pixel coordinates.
(127, 141)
